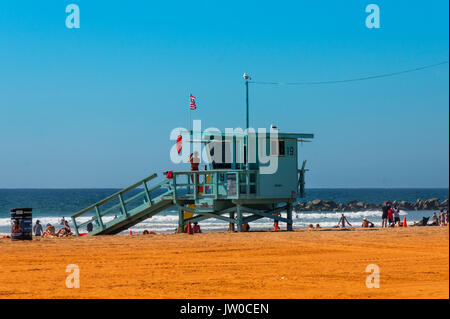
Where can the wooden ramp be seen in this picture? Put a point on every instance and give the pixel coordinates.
(124, 209)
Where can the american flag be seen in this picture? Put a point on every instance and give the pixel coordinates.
(192, 106)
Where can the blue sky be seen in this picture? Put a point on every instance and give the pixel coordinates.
(93, 107)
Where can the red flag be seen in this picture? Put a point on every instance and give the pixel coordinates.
(179, 138)
(192, 106)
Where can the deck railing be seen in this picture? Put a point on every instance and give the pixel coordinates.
(216, 184)
(187, 185)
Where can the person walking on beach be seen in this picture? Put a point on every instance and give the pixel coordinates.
(342, 221)
(384, 216)
(37, 229)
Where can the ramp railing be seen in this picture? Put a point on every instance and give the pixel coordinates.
(118, 206)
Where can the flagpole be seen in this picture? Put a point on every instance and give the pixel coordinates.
(246, 103)
(190, 121)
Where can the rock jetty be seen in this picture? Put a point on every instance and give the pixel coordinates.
(331, 206)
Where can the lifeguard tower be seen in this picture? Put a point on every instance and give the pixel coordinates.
(236, 186)
(234, 191)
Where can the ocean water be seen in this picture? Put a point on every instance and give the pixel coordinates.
(50, 205)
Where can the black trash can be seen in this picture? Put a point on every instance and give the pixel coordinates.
(21, 224)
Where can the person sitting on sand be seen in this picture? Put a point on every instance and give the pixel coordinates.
(435, 221)
(310, 226)
(196, 228)
(342, 221)
(367, 224)
(423, 222)
(318, 226)
(245, 227)
(49, 231)
(65, 231)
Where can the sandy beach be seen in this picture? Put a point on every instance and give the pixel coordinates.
(413, 262)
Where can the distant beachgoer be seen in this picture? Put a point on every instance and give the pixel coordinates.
(37, 229)
(49, 231)
(424, 221)
(342, 221)
(435, 221)
(62, 221)
(65, 231)
(89, 227)
(145, 232)
(384, 216)
(318, 226)
(310, 226)
(390, 216)
(396, 215)
(196, 228)
(366, 223)
(245, 227)
(442, 218)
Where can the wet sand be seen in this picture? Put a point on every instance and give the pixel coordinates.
(413, 262)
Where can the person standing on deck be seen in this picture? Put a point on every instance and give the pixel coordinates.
(195, 162)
